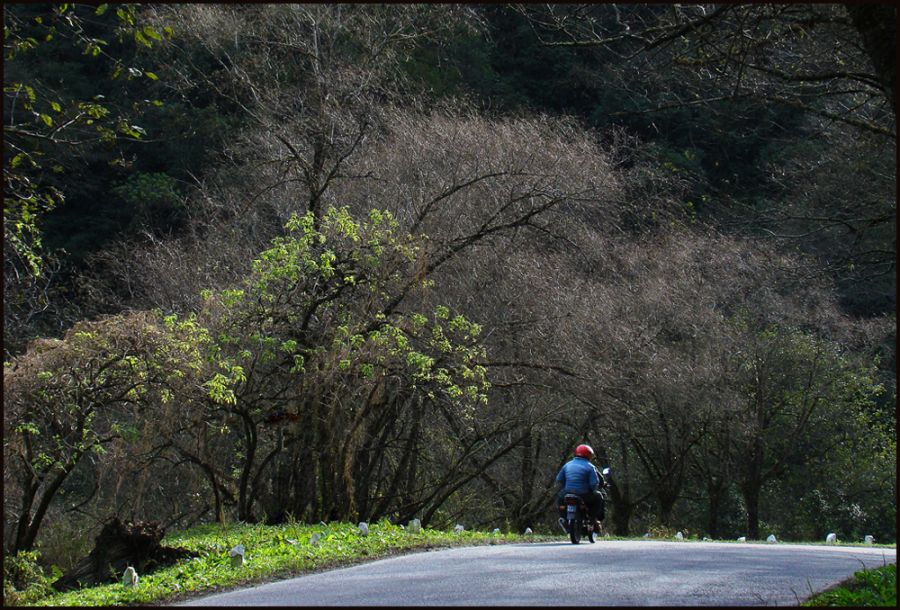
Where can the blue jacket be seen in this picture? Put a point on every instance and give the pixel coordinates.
(578, 476)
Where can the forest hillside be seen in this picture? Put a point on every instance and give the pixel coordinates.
(271, 262)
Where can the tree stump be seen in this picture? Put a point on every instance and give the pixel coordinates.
(119, 545)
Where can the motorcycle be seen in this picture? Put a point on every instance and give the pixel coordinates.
(577, 521)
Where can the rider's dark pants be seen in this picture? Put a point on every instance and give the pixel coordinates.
(593, 499)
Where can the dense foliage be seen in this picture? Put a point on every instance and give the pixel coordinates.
(350, 262)
(876, 587)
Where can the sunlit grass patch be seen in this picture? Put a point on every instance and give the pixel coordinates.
(876, 587)
(279, 551)
(271, 552)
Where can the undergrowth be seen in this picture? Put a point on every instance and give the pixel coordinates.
(877, 587)
(271, 552)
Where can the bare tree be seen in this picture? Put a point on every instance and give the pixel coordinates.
(830, 60)
(606, 311)
(817, 79)
(855, 243)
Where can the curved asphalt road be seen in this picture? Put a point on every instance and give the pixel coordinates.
(633, 573)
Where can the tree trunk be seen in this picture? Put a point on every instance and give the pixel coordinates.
(29, 492)
(620, 494)
(412, 465)
(665, 513)
(621, 516)
(526, 483)
(751, 498)
(667, 499)
(220, 513)
(245, 499)
(28, 535)
(715, 501)
(750, 489)
(752, 483)
(118, 546)
(622, 506)
(877, 27)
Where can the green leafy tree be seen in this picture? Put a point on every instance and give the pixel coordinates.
(67, 398)
(793, 390)
(65, 68)
(848, 486)
(43, 118)
(313, 353)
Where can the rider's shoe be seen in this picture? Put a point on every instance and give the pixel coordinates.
(562, 525)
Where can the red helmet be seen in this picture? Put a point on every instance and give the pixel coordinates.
(584, 451)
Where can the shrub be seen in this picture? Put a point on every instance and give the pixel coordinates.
(876, 587)
(24, 580)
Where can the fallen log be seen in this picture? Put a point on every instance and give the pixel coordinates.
(119, 545)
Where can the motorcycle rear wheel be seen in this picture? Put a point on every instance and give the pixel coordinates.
(574, 528)
(592, 533)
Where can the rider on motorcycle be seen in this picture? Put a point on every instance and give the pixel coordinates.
(579, 476)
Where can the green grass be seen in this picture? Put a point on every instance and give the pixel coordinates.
(876, 587)
(272, 552)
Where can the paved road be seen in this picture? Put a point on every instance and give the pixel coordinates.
(608, 573)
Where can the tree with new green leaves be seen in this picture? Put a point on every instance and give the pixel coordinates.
(45, 121)
(55, 117)
(313, 353)
(67, 398)
(849, 485)
(792, 391)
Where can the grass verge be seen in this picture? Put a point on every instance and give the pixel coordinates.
(275, 552)
(877, 587)
(272, 552)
